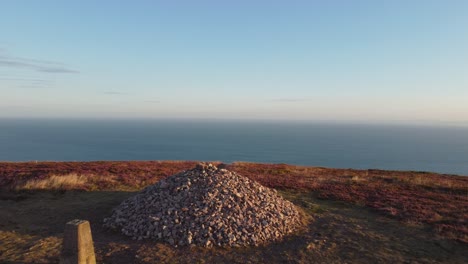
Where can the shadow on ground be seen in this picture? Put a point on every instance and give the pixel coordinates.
(32, 223)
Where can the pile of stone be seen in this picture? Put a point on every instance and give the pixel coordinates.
(206, 206)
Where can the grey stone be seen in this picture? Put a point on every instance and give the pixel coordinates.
(78, 245)
(219, 208)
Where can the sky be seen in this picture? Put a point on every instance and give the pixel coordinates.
(358, 61)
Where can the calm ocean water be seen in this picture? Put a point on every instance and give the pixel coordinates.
(423, 148)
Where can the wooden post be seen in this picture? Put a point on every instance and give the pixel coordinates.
(77, 243)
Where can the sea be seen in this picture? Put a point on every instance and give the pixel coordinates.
(442, 149)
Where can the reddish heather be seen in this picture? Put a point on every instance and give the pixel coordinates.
(440, 201)
(105, 174)
(417, 197)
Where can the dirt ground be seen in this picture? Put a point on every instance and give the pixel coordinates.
(32, 224)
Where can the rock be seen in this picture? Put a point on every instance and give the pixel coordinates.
(171, 241)
(206, 206)
(78, 243)
(208, 243)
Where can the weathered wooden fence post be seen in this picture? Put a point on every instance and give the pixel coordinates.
(77, 243)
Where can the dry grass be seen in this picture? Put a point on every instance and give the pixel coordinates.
(55, 182)
(31, 231)
(103, 175)
(412, 197)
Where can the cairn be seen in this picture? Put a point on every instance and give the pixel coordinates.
(206, 206)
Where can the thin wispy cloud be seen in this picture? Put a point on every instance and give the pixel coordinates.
(28, 82)
(25, 80)
(290, 100)
(57, 70)
(35, 65)
(32, 86)
(113, 93)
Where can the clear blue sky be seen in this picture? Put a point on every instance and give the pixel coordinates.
(309, 60)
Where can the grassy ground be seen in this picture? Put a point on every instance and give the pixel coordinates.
(350, 223)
